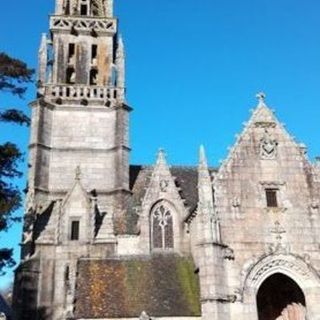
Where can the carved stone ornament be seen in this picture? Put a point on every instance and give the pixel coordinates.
(236, 202)
(164, 185)
(268, 147)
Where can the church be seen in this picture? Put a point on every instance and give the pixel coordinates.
(103, 239)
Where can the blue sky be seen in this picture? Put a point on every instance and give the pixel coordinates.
(193, 69)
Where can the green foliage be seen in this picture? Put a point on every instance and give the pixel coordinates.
(14, 75)
(15, 116)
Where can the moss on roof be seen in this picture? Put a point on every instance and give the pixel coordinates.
(161, 285)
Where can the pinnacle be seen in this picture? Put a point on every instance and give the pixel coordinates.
(43, 41)
(161, 159)
(202, 157)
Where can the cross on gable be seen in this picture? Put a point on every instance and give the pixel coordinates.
(278, 231)
(261, 96)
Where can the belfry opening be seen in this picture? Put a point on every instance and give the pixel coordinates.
(280, 298)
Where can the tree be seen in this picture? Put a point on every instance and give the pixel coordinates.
(14, 76)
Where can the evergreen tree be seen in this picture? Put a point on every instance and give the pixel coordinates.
(14, 75)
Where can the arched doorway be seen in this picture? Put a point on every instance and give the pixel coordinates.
(279, 297)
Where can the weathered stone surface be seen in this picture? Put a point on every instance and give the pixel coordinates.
(237, 226)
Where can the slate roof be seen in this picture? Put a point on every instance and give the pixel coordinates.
(161, 285)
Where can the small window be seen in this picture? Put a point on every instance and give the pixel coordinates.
(271, 196)
(75, 230)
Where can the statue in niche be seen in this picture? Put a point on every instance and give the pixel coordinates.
(268, 147)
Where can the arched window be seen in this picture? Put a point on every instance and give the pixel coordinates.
(161, 227)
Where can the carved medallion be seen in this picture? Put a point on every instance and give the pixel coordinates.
(268, 147)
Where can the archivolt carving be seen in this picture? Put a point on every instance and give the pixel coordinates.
(281, 263)
(290, 265)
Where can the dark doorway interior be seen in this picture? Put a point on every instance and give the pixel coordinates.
(275, 294)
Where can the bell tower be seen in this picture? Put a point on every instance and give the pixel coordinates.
(78, 183)
(80, 119)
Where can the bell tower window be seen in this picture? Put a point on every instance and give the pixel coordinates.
(94, 54)
(71, 53)
(67, 7)
(71, 75)
(93, 77)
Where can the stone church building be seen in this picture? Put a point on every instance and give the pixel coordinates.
(104, 239)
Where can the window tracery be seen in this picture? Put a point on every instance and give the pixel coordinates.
(162, 227)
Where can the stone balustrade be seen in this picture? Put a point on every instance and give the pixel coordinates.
(96, 24)
(81, 92)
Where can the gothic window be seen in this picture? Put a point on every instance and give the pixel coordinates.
(162, 227)
(271, 196)
(75, 230)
